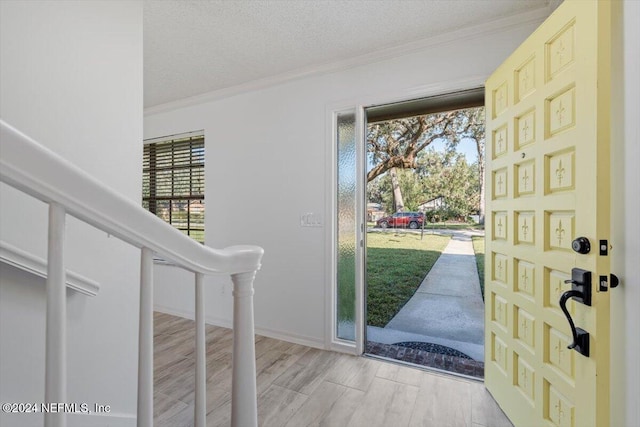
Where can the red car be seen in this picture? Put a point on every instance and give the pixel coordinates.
(411, 220)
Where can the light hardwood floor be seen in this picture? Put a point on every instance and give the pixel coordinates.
(300, 386)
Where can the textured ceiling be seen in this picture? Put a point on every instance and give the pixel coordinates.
(195, 47)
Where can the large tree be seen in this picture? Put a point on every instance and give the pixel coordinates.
(439, 173)
(395, 144)
(476, 117)
(448, 174)
(382, 189)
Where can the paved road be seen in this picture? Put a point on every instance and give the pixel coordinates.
(448, 304)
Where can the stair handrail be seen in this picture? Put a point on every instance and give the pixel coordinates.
(45, 175)
(38, 171)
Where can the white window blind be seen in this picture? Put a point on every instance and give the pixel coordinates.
(173, 182)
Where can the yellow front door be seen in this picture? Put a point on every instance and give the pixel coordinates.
(547, 185)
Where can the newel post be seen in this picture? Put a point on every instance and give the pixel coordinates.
(244, 401)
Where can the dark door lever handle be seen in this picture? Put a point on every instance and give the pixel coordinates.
(581, 282)
(580, 336)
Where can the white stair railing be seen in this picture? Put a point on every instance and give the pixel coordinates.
(39, 172)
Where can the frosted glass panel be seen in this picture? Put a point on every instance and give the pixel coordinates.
(346, 309)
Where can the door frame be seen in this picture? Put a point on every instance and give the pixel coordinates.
(332, 342)
(358, 105)
(625, 205)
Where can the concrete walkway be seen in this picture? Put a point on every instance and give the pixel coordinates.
(448, 306)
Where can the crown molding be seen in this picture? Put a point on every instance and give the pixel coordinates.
(487, 28)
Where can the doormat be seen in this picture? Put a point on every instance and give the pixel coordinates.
(431, 359)
(432, 348)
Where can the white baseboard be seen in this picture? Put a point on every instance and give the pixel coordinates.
(292, 338)
(266, 332)
(173, 312)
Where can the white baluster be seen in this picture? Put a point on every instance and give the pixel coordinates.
(55, 383)
(200, 414)
(145, 341)
(244, 406)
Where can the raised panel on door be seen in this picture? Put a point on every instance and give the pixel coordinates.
(547, 183)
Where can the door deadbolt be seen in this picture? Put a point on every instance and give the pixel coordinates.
(581, 245)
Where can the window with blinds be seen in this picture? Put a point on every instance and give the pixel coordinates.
(173, 182)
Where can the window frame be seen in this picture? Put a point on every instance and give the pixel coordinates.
(177, 158)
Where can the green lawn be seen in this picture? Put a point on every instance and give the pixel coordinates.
(396, 265)
(478, 248)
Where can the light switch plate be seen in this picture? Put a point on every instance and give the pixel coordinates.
(310, 219)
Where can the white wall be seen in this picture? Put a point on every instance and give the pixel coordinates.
(266, 166)
(625, 198)
(71, 77)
